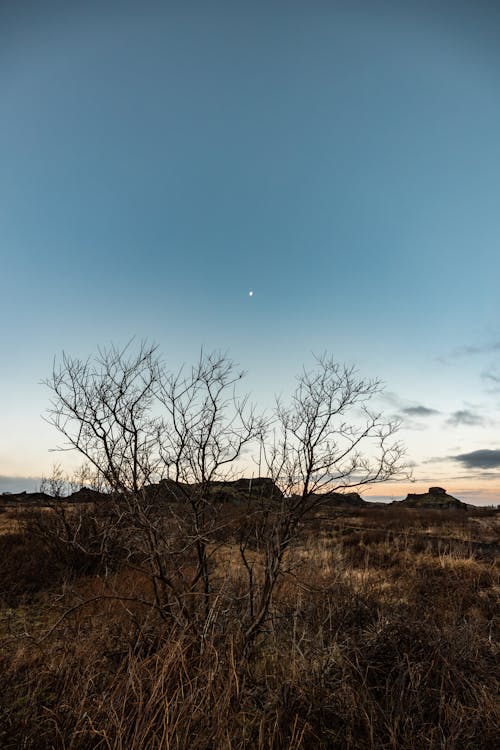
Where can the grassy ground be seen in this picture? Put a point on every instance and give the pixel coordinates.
(383, 634)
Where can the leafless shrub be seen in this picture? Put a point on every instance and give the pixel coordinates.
(328, 438)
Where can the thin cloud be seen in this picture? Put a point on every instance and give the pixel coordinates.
(469, 350)
(465, 417)
(419, 411)
(414, 416)
(492, 377)
(480, 459)
(483, 476)
(408, 410)
(434, 460)
(390, 398)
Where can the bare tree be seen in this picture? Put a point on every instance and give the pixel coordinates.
(103, 408)
(206, 429)
(160, 441)
(327, 439)
(56, 484)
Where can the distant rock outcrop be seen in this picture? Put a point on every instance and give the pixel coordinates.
(237, 492)
(245, 490)
(341, 499)
(166, 491)
(85, 495)
(15, 498)
(353, 499)
(435, 497)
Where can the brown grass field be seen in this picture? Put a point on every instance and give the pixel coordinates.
(383, 634)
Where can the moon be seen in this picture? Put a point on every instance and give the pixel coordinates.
(250, 293)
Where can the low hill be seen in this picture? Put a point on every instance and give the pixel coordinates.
(435, 497)
(245, 490)
(352, 499)
(341, 499)
(22, 498)
(237, 492)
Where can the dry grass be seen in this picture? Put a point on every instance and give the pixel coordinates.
(9, 523)
(382, 635)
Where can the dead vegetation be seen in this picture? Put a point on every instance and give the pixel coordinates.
(374, 639)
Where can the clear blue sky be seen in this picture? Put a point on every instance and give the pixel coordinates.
(341, 159)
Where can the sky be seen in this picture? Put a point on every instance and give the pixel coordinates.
(341, 160)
